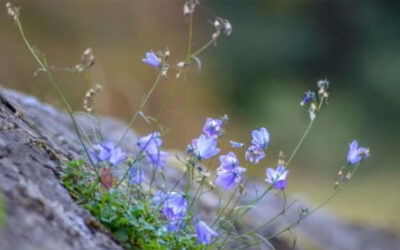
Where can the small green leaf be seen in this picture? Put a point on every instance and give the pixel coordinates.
(121, 235)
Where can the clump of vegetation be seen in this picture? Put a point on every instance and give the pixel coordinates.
(129, 193)
(135, 223)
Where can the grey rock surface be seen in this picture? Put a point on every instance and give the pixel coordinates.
(40, 214)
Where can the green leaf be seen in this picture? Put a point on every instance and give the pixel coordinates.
(122, 235)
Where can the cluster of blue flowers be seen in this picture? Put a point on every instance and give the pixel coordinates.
(229, 172)
(259, 143)
(205, 146)
(174, 205)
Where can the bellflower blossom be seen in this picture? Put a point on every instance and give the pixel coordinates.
(151, 144)
(204, 147)
(174, 204)
(227, 179)
(204, 233)
(228, 162)
(229, 172)
(260, 137)
(117, 156)
(254, 154)
(158, 198)
(309, 96)
(93, 153)
(152, 59)
(356, 154)
(107, 152)
(277, 177)
(213, 128)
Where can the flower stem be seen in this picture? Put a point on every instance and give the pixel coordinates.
(304, 135)
(145, 100)
(44, 67)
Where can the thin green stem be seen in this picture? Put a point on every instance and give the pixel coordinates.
(330, 197)
(189, 48)
(196, 194)
(167, 100)
(43, 65)
(205, 46)
(145, 100)
(220, 213)
(301, 141)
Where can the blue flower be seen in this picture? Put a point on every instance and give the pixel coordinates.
(152, 59)
(229, 172)
(175, 225)
(157, 157)
(213, 128)
(107, 152)
(93, 153)
(254, 154)
(277, 177)
(117, 156)
(158, 198)
(204, 233)
(235, 144)
(227, 179)
(174, 206)
(151, 144)
(260, 137)
(136, 176)
(309, 96)
(204, 147)
(228, 162)
(356, 154)
(151, 140)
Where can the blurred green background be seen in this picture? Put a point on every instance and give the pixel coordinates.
(277, 51)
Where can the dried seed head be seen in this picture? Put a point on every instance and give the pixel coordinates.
(88, 58)
(313, 107)
(167, 53)
(212, 186)
(241, 188)
(12, 11)
(323, 86)
(88, 102)
(223, 25)
(227, 28)
(180, 64)
(164, 71)
(189, 7)
(337, 184)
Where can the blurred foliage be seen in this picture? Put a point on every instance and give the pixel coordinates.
(277, 51)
